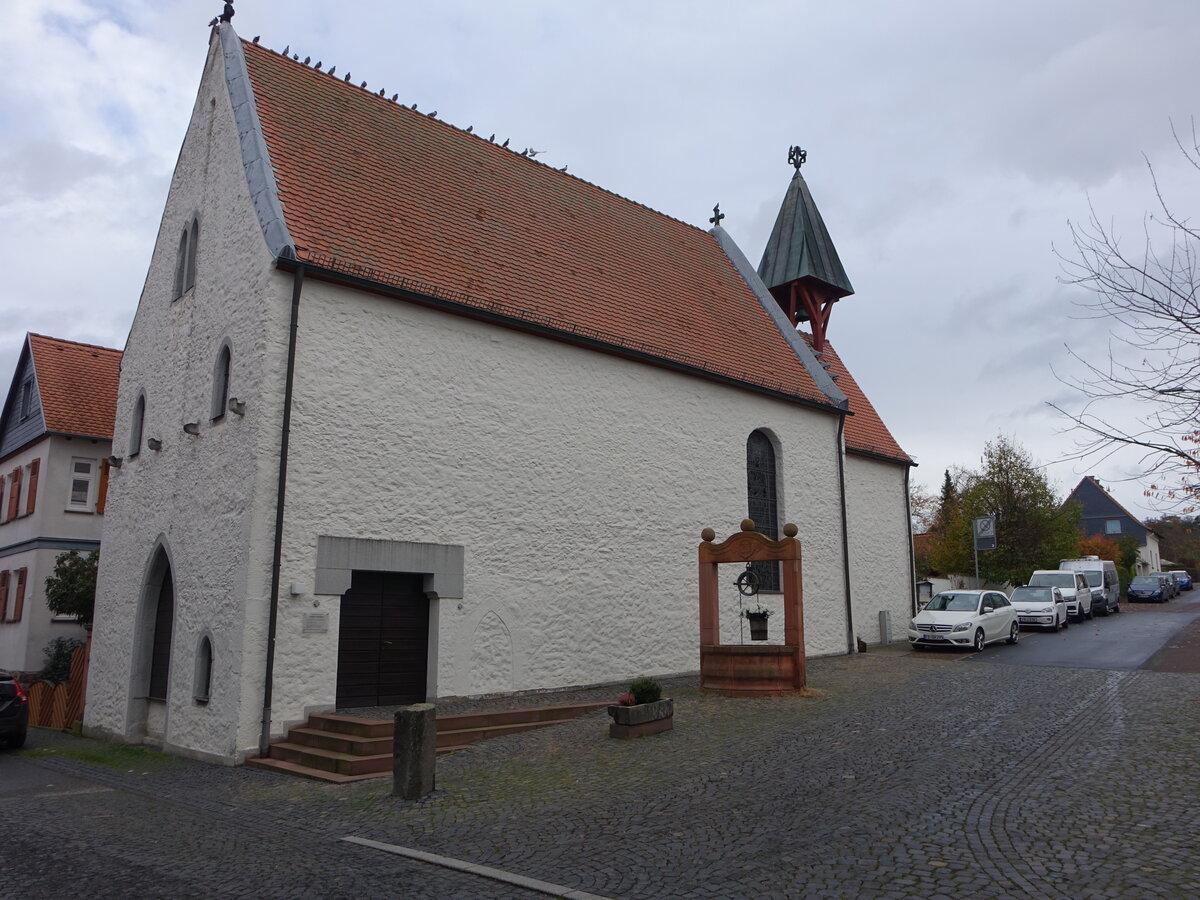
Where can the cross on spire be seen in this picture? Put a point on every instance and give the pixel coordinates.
(717, 215)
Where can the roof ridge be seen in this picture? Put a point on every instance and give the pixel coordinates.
(381, 94)
(58, 340)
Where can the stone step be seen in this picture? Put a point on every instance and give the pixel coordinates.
(340, 742)
(331, 761)
(540, 714)
(290, 768)
(354, 725)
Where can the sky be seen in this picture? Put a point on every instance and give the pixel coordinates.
(949, 145)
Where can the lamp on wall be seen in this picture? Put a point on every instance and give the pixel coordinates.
(191, 427)
(116, 461)
(154, 444)
(237, 407)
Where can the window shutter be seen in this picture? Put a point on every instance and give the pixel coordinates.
(102, 490)
(4, 595)
(3, 508)
(31, 498)
(19, 600)
(14, 497)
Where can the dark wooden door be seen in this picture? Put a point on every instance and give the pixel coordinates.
(383, 640)
(164, 626)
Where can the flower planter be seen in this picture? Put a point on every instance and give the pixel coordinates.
(758, 626)
(642, 719)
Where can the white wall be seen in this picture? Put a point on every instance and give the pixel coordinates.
(208, 499)
(881, 575)
(577, 482)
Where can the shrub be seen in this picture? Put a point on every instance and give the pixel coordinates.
(626, 700)
(57, 669)
(646, 690)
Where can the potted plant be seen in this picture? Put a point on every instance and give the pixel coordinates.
(757, 618)
(641, 711)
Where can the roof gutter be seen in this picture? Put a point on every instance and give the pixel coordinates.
(912, 553)
(851, 645)
(264, 740)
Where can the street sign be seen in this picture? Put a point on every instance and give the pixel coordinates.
(985, 533)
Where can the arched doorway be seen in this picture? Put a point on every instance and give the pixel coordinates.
(151, 676)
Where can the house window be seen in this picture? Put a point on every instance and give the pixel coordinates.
(82, 495)
(135, 426)
(220, 396)
(13, 509)
(34, 469)
(204, 661)
(18, 607)
(4, 579)
(1112, 526)
(763, 501)
(26, 399)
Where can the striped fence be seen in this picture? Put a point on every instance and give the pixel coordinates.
(60, 705)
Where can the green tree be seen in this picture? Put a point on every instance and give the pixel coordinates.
(71, 589)
(1033, 530)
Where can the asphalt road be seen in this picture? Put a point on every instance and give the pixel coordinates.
(1127, 641)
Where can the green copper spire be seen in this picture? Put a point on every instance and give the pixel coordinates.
(800, 249)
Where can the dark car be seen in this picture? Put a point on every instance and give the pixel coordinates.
(1185, 580)
(1149, 587)
(14, 711)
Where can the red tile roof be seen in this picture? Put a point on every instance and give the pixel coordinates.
(865, 431)
(77, 384)
(366, 183)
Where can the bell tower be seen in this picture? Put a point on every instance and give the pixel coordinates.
(800, 265)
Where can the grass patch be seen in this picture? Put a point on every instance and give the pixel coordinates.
(112, 756)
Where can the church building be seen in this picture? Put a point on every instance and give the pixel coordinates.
(405, 414)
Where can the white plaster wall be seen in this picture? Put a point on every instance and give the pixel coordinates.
(881, 576)
(209, 499)
(578, 483)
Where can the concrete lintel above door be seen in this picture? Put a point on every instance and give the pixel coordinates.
(338, 557)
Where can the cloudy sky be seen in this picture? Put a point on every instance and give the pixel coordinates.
(949, 145)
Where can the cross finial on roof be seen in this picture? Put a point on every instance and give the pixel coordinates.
(797, 157)
(717, 215)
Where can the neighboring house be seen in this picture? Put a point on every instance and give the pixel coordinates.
(55, 438)
(405, 414)
(1102, 516)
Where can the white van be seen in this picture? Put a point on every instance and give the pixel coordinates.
(1102, 578)
(1074, 588)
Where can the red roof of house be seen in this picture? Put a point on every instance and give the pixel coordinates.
(374, 188)
(865, 431)
(77, 384)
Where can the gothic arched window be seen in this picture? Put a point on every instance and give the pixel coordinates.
(763, 500)
(221, 370)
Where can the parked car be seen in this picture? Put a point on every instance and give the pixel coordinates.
(1149, 588)
(1075, 590)
(14, 711)
(1040, 607)
(1185, 580)
(1172, 584)
(964, 619)
(1102, 578)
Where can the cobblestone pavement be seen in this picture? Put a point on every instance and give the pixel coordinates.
(912, 775)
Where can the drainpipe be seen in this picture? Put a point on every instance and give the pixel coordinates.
(912, 554)
(264, 741)
(851, 646)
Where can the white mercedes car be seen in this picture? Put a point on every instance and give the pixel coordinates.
(964, 619)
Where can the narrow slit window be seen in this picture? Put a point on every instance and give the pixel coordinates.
(763, 502)
(220, 398)
(135, 425)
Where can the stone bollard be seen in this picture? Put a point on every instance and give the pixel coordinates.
(414, 748)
